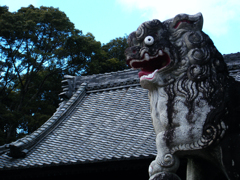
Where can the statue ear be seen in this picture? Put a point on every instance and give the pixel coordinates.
(182, 21)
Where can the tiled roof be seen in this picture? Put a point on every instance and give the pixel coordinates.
(104, 125)
(104, 117)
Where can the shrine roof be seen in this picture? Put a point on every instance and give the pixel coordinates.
(104, 117)
(93, 125)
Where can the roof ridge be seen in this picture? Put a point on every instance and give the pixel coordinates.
(21, 147)
(99, 81)
(238, 53)
(101, 74)
(106, 73)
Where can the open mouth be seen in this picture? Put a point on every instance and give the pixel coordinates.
(182, 21)
(149, 65)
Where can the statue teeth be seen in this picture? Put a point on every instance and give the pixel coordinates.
(160, 53)
(146, 56)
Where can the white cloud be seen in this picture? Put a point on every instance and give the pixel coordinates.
(217, 14)
(15, 5)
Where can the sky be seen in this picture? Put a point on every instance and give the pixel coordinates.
(109, 19)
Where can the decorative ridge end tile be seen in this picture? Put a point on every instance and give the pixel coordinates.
(21, 147)
(98, 81)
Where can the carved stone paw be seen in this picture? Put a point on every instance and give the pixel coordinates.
(165, 176)
(154, 168)
(167, 163)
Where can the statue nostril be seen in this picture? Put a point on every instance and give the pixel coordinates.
(134, 51)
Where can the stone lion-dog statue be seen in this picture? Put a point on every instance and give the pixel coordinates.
(195, 104)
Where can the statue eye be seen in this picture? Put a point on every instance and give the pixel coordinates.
(149, 40)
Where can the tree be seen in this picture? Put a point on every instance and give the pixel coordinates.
(38, 46)
(110, 57)
(78, 52)
(30, 42)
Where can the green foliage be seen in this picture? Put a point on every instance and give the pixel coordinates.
(110, 57)
(30, 39)
(78, 51)
(38, 46)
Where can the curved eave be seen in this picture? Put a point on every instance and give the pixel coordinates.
(20, 147)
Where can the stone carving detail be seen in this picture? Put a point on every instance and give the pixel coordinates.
(195, 104)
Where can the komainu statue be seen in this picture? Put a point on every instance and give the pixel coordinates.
(195, 104)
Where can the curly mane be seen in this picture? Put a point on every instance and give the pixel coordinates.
(194, 102)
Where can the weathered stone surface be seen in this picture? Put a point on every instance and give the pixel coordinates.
(195, 104)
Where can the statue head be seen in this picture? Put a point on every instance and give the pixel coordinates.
(164, 51)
